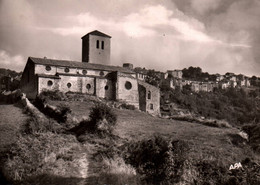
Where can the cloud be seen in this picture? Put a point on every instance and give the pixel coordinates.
(143, 23)
(203, 6)
(169, 34)
(11, 62)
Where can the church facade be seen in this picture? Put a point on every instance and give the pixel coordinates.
(92, 76)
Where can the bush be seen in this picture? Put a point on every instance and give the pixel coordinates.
(233, 105)
(127, 106)
(59, 113)
(102, 118)
(32, 126)
(42, 153)
(253, 131)
(53, 95)
(158, 160)
(102, 121)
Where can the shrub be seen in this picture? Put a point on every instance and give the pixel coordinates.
(53, 95)
(32, 126)
(102, 118)
(158, 160)
(127, 106)
(253, 131)
(59, 113)
(230, 104)
(42, 153)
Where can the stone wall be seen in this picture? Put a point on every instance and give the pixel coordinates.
(152, 97)
(105, 88)
(127, 89)
(88, 85)
(29, 82)
(41, 69)
(99, 55)
(142, 97)
(48, 84)
(69, 83)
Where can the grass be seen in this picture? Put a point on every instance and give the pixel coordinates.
(50, 156)
(206, 142)
(11, 118)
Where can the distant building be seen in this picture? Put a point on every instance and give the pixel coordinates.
(90, 77)
(195, 87)
(160, 75)
(141, 73)
(219, 77)
(5, 83)
(173, 82)
(128, 65)
(175, 73)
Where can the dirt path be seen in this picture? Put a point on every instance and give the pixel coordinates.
(11, 118)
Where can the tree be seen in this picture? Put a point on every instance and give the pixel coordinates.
(152, 78)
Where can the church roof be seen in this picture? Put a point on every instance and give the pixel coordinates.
(98, 33)
(75, 64)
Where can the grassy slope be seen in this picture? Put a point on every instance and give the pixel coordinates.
(11, 118)
(207, 142)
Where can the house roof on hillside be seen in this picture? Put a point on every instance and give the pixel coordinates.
(140, 82)
(75, 64)
(98, 33)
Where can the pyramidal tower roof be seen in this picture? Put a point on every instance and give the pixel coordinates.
(98, 33)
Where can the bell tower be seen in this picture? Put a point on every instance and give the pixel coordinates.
(96, 47)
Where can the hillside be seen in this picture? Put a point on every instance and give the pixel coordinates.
(141, 149)
(8, 72)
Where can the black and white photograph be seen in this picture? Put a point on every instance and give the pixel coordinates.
(129, 92)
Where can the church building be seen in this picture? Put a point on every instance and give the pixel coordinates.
(92, 76)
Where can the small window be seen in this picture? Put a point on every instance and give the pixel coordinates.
(149, 95)
(50, 83)
(97, 44)
(88, 86)
(102, 45)
(48, 68)
(101, 73)
(84, 72)
(128, 85)
(151, 106)
(67, 70)
(106, 87)
(68, 85)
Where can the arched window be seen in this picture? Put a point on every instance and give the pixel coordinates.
(88, 86)
(102, 45)
(68, 85)
(49, 83)
(106, 87)
(97, 44)
(149, 95)
(128, 85)
(151, 106)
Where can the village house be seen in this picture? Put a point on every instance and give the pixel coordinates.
(141, 73)
(202, 86)
(173, 83)
(175, 73)
(92, 76)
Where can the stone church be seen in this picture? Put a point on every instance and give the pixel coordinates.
(92, 76)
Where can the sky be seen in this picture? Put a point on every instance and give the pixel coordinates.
(218, 36)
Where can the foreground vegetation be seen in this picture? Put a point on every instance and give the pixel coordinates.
(97, 144)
